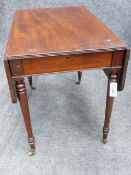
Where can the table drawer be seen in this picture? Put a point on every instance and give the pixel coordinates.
(65, 63)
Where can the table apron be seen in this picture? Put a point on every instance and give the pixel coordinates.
(32, 66)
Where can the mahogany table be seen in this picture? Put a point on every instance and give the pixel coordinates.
(48, 40)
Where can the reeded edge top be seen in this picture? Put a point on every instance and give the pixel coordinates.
(49, 54)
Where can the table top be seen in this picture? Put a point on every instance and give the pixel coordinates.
(45, 32)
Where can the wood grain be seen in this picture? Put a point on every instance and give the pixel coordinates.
(23, 99)
(109, 105)
(66, 63)
(60, 31)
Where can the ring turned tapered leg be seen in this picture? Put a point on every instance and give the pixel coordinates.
(109, 106)
(22, 96)
(79, 77)
(30, 82)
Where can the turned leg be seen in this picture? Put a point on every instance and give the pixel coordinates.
(22, 96)
(30, 82)
(79, 77)
(109, 106)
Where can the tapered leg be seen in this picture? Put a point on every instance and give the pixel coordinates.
(109, 106)
(30, 82)
(79, 77)
(22, 96)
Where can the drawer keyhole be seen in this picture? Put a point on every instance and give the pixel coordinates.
(68, 58)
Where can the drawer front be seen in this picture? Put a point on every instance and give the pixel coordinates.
(66, 63)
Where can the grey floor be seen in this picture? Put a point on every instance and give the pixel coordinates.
(67, 119)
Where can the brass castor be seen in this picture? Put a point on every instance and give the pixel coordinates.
(32, 87)
(31, 152)
(105, 140)
(77, 82)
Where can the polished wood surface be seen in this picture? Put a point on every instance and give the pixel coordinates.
(65, 63)
(58, 31)
(113, 77)
(10, 82)
(58, 40)
(22, 96)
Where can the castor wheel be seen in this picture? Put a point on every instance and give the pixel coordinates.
(105, 140)
(32, 87)
(77, 82)
(31, 152)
